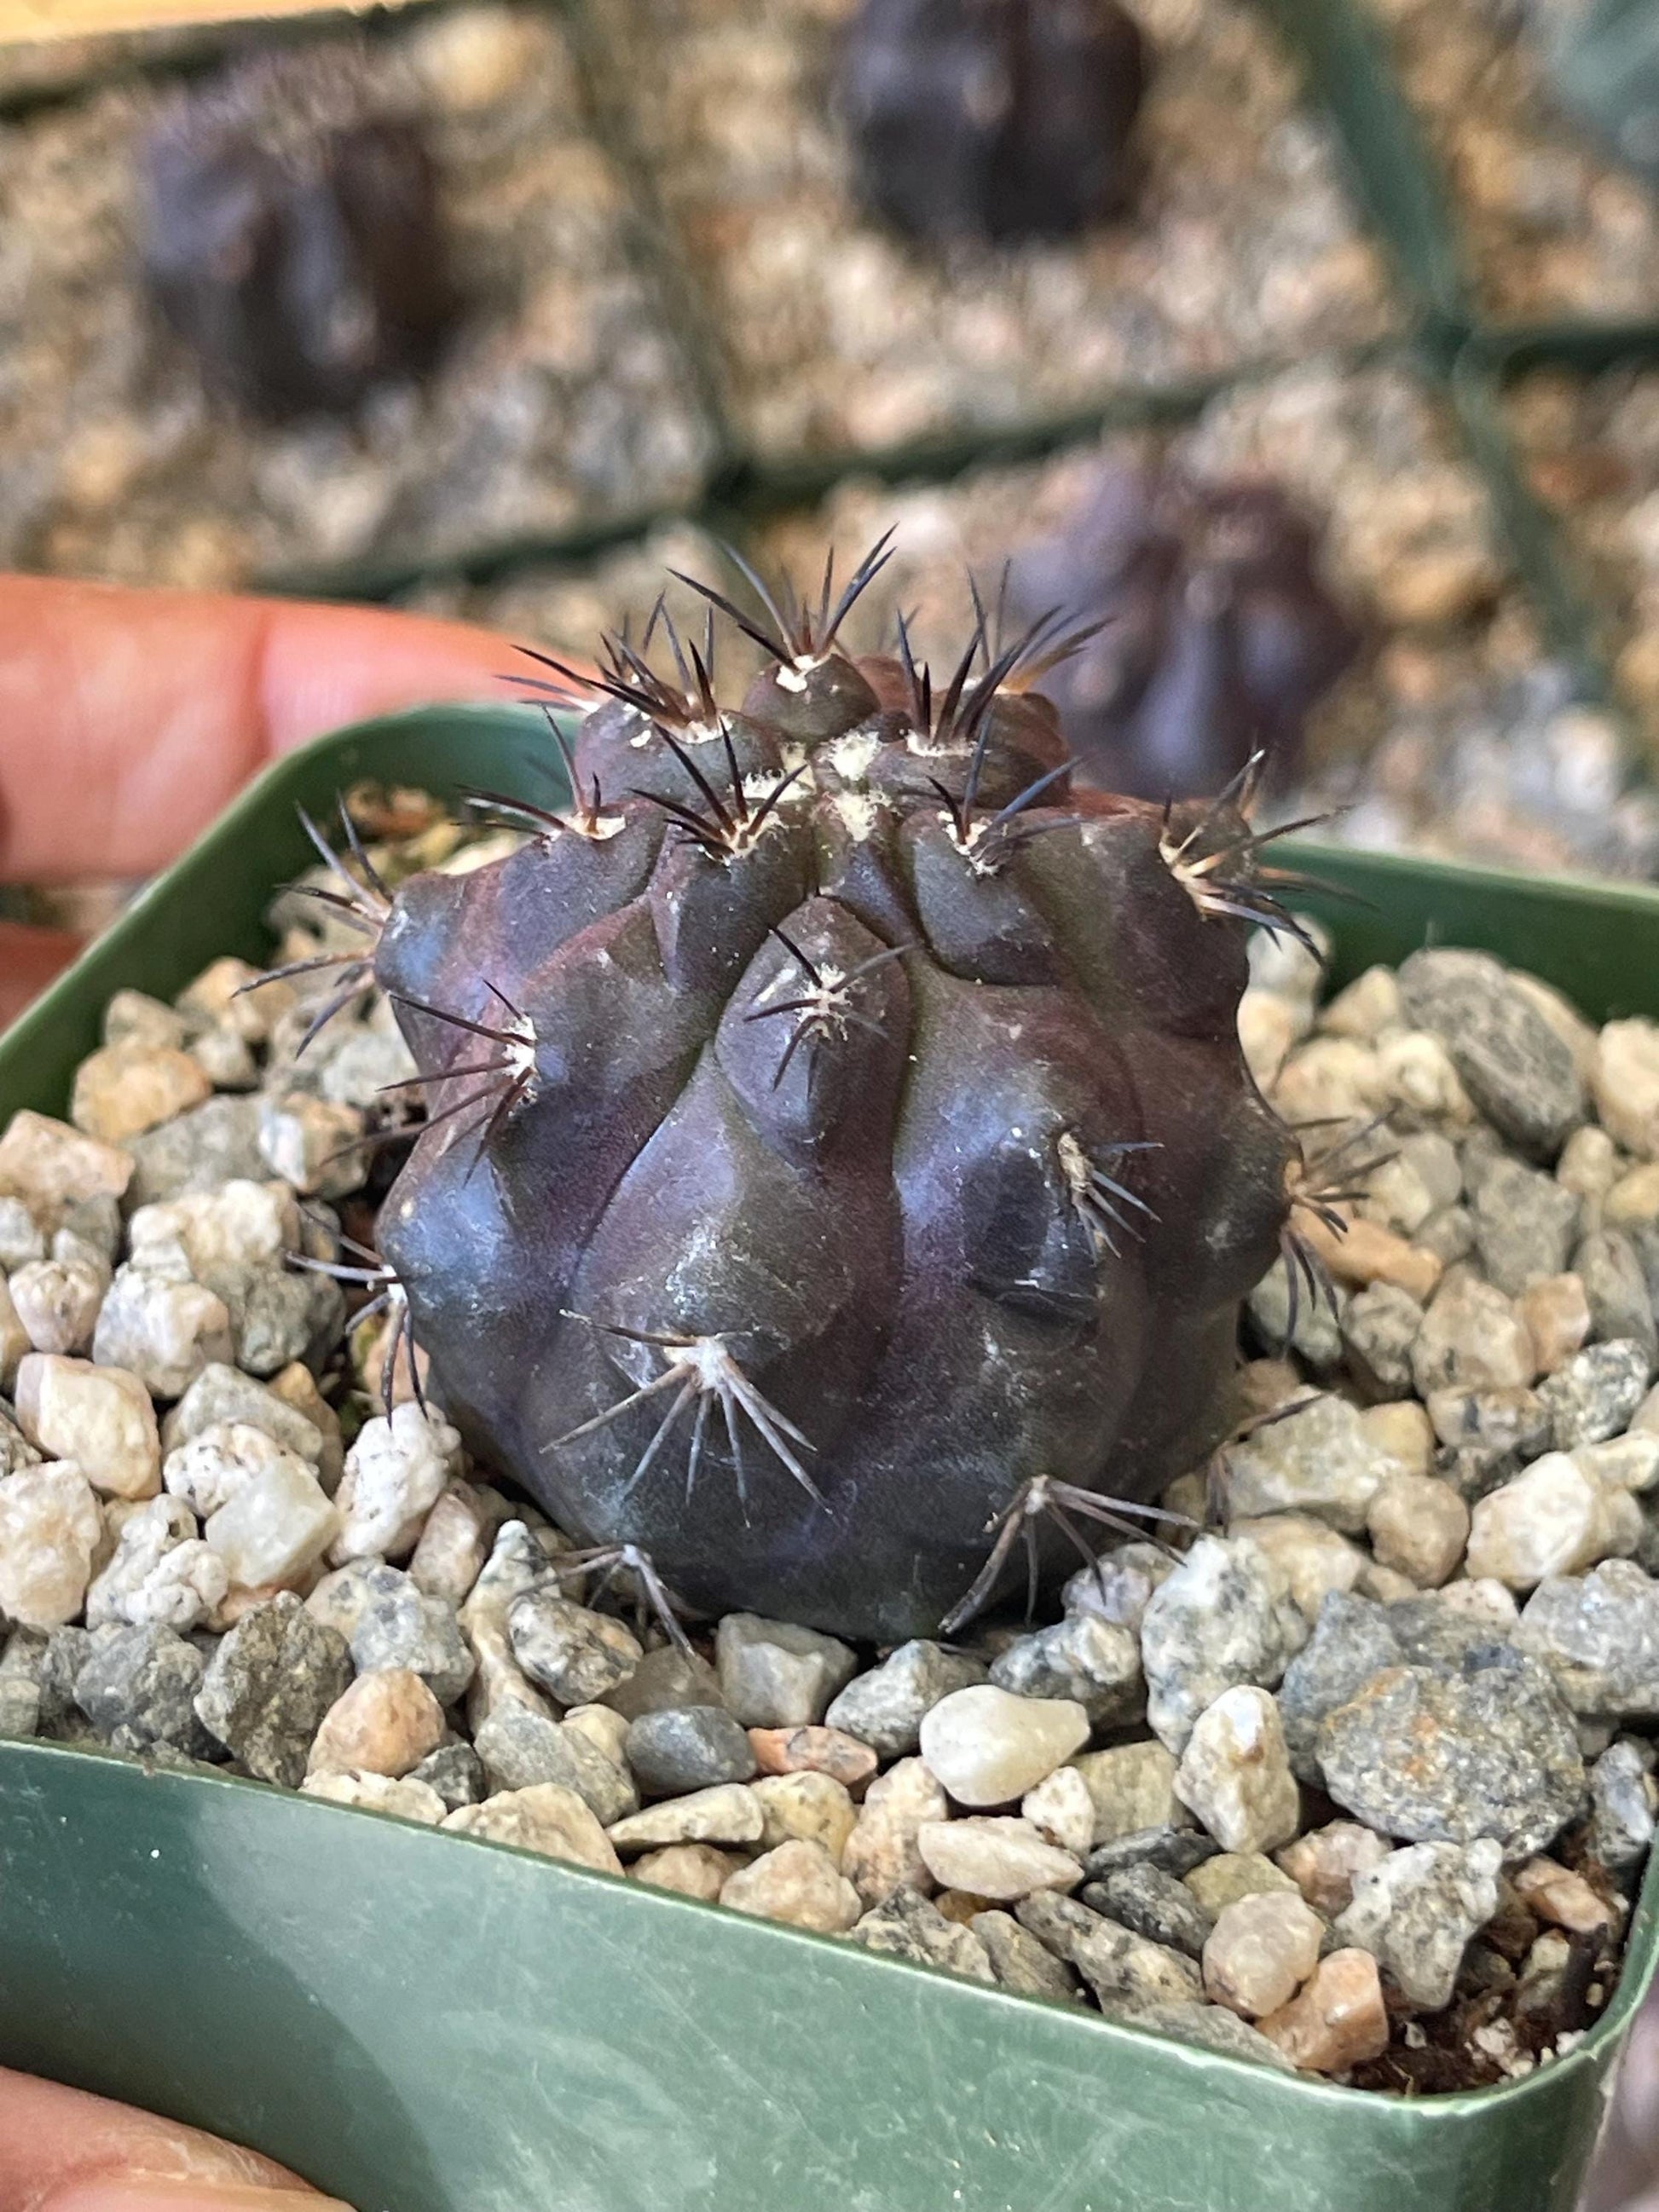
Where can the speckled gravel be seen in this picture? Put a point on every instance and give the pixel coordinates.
(1243, 245)
(1550, 225)
(1361, 1782)
(562, 401)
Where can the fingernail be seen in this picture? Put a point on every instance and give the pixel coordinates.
(136, 2194)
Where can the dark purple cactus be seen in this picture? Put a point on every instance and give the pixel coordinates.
(836, 1125)
(291, 235)
(993, 120)
(1218, 637)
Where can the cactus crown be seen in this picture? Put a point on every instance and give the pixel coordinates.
(836, 1123)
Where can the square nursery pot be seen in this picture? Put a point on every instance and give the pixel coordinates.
(423, 2023)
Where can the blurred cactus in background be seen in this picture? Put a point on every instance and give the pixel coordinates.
(994, 119)
(292, 235)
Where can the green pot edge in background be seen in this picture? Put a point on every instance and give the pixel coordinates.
(420, 2028)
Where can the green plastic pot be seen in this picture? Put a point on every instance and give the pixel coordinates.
(423, 2023)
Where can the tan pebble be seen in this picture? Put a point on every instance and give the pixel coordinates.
(1268, 1026)
(1563, 1898)
(1557, 1313)
(988, 1747)
(1370, 1005)
(1589, 1163)
(1235, 1773)
(806, 1808)
(546, 1818)
(689, 1869)
(1219, 1882)
(1261, 1951)
(1371, 1254)
(961, 1906)
(1061, 1809)
(1624, 1079)
(122, 1090)
(1556, 1518)
(1324, 1863)
(101, 1418)
(1633, 1201)
(1419, 1526)
(229, 992)
(1338, 2021)
(881, 1854)
(54, 1166)
(798, 1883)
(1473, 1337)
(1313, 1558)
(814, 1750)
(453, 1545)
(50, 1532)
(999, 1859)
(1385, 1585)
(1418, 1074)
(296, 1386)
(1400, 1428)
(1626, 1462)
(57, 1303)
(1563, 1017)
(1330, 1079)
(1265, 1385)
(606, 1730)
(726, 1813)
(380, 1793)
(1133, 1787)
(276, 1527)
(384, 1723)
(16, 1342)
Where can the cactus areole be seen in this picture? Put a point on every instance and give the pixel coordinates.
(835, 1125)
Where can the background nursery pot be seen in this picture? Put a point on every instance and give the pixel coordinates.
(422, 2024)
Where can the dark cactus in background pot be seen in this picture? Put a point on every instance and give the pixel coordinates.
(837, 1127)
(292, 235)
(994, 119)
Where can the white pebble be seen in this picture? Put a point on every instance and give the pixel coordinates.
(100, 1418)
(996, 1857)
(1556, 1518)
(276, 1526)
(1236, 1776)
(988, 1747)
(49, 1531)
(395, 1474)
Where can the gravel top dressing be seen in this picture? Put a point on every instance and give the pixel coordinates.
(1353, 1776)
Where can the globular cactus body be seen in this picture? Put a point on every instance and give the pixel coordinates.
(1218, 638)
(845, 1129)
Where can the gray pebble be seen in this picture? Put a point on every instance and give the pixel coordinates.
(773, 1675)
(269, 1685)
(1416, 1911)
(1351, 1642)
(1524, 1225)
(1436, 1757)
(1429, 1632)
(663, 1681)
(1020, 1962)
(521, 1747)
(885, 1707)
(1153, 1904)
(1616, 1291)
(215, 1143)
(225, 1393)
(1623, 1803)
(20, 1684)
(906, 1926)
(1520, 1074)
(1120, 1585)
(138, 1688)
(1212, 2028)
(1221, 1619)
(1126, 1972)
(690, 1747)
(16, 1452)
(1448, 1234)
(1081, 1656)
(61, 1720)
(1379, 1327)
(281, 1315)
(1318, 1336)
(578, 1654)
(1598, 1634)
(1172, 1850)
(1594, 1395)
(455, 1771)
(389, 1621)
